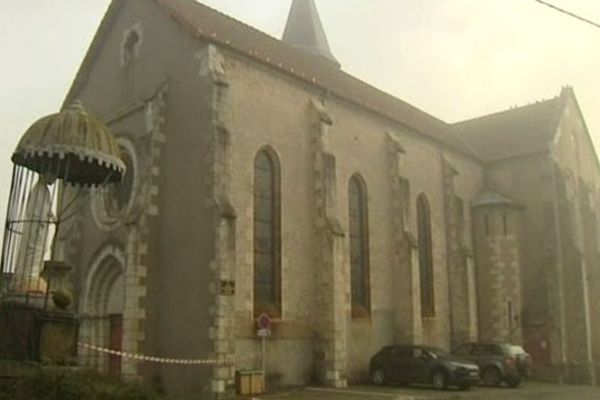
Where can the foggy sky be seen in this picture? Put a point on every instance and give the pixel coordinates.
(455, 59)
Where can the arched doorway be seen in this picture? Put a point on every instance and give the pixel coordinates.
(102, 316)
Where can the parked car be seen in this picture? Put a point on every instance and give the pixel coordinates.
(499, 362)
(406, 364)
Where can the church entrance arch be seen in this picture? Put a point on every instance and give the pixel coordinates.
(102, 310)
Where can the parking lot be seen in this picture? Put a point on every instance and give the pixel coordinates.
(528, 391)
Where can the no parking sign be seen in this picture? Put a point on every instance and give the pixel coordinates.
(264, 325)
(264, 330)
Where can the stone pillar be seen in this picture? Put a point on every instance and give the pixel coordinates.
(415, 278)
(139, 234)
(135, 292)
(579, 320)
(556, 286)
(472, 284)
(587, 225)
(574, 254)
(458, 278)
(222, 267)
(407, 316)
(331, 263)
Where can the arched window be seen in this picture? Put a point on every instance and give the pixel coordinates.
(359, 248)
(267, 235)
(425, 256)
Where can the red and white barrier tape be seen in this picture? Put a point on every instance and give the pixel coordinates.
(163, 360)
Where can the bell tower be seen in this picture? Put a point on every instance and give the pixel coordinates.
(304, 30)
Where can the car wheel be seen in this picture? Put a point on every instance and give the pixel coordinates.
(378, 376)
(491, 376)
(439, 380)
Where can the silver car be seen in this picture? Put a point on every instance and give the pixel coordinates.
(498, 362)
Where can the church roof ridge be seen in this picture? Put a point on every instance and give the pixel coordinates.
(512, 109)
(203, 22)
(514, 132)
(321, 74)
(165, 3)
(213, 26)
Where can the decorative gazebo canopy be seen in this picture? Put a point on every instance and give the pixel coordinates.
(72, 145)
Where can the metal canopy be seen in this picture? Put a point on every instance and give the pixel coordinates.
(73, 146)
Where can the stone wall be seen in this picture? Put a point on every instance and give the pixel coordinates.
(558, 246)
(166, 272)
(270, 109)
(196, 116)
(578, 179)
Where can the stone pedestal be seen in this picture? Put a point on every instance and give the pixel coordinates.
(28, 333)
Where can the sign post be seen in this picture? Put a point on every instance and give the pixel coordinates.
(264, 331)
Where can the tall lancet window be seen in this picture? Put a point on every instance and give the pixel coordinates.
(359, 248)
(267, 234)
(425, 257)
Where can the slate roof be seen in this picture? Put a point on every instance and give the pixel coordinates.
(207, 24)
(492, 137)
(518, 131)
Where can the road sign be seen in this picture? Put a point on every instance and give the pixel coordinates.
(264, 330)
(264, 321)
(261, 333)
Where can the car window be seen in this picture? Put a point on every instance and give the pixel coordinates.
(399, 352)
(478, 350)
(438, 353)
(493, 349)
(417, 352)
(463, 350)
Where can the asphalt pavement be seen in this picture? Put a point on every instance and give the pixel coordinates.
(527, 391)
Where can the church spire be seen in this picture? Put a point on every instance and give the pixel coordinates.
(305, 31)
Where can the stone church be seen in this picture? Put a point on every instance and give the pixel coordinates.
(263, 179)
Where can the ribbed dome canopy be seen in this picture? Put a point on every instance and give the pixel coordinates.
(74, 146)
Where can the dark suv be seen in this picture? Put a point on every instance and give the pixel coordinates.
(421, 364)
(499, 362)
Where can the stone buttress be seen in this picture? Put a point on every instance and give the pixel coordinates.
(332, 309)
(407, 315)
(139, 234)
(457, 260)
(222, 283)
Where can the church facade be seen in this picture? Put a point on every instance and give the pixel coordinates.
(262, 179)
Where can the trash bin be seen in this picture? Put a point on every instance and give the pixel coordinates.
(249, 382)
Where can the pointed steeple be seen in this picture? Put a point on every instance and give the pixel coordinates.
(305, 31)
